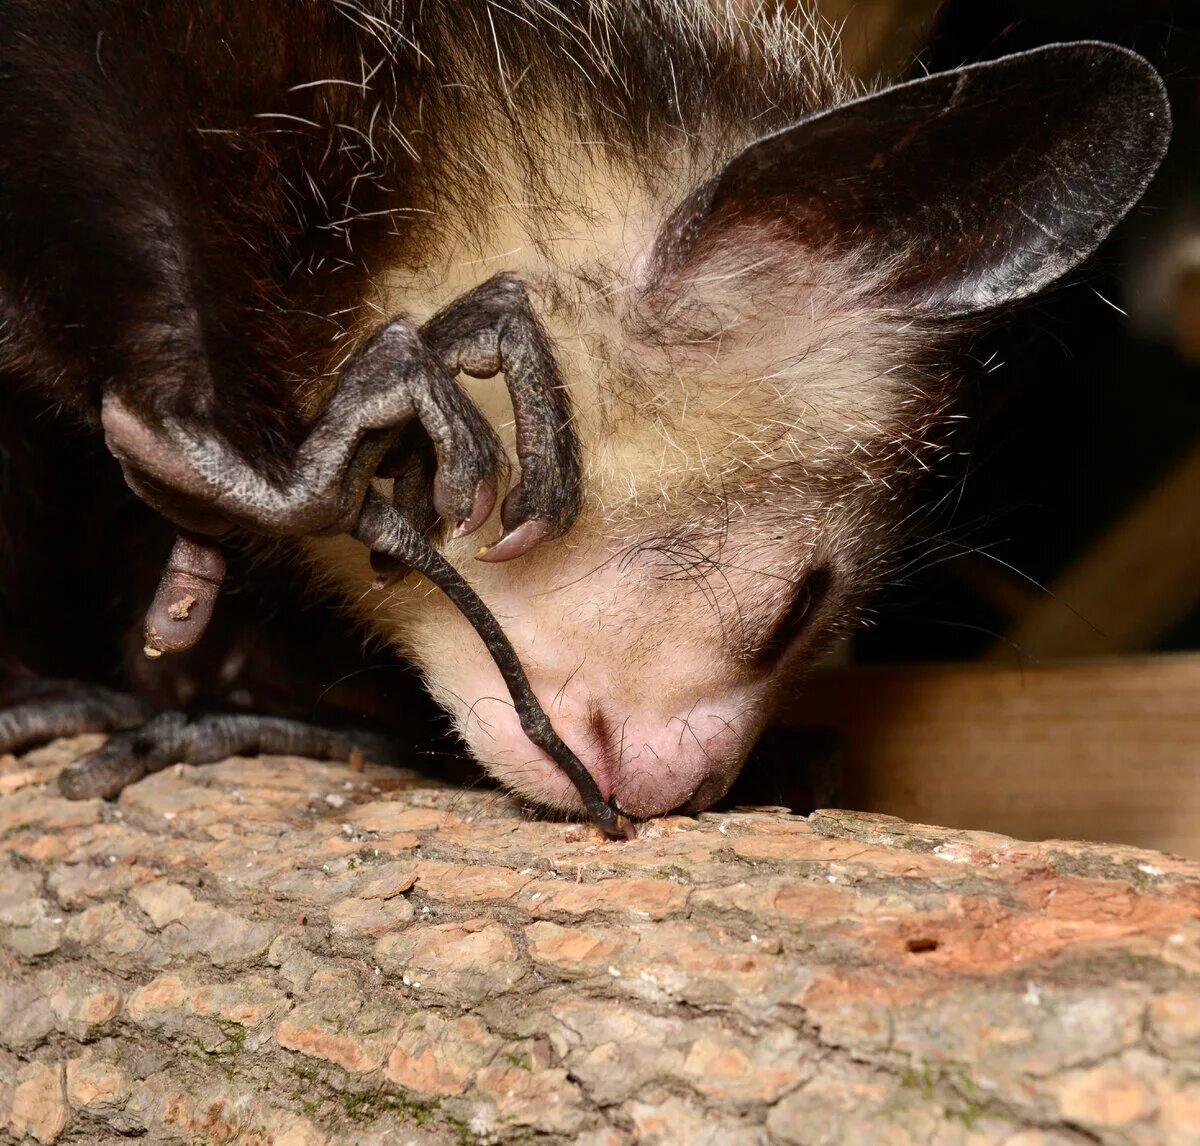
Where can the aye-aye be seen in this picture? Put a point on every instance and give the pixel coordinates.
(644, 295)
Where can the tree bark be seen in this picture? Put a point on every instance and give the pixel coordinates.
(282, 951)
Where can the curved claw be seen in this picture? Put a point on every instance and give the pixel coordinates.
(517, 542)
(481, 508)
(491, 330)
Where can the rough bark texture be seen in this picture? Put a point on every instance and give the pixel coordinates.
(290, 952)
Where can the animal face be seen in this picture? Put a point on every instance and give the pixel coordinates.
(750, 423)
(751, 343)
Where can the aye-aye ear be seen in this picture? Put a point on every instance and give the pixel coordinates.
(977, 186)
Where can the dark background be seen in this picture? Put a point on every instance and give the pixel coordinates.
(1079, 410)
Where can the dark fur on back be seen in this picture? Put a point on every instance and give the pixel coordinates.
(198, 192)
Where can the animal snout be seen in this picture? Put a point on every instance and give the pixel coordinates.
(645, 762)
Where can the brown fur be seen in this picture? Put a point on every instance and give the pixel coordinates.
(753, 416)
(753, 395)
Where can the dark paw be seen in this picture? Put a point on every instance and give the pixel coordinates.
(493, 329)
(173, 738)
(37, 711)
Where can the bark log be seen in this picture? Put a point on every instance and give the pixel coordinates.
(287, 952)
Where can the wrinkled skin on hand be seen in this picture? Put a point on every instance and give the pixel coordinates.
(401, 376)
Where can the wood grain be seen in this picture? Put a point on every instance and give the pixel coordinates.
(1130, 588)
(1107, 749)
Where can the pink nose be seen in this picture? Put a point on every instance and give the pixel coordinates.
(646, 763)
(645, 767)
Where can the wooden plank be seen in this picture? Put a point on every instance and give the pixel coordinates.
(1105, 750)
(1130, 588)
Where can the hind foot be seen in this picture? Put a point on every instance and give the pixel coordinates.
(35, 711)
(174, 738)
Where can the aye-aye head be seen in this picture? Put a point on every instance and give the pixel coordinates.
(754, 344)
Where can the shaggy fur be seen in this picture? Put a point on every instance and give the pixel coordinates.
(747, 418)
(206, 207)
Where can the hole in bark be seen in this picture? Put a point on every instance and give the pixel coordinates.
(920, 946)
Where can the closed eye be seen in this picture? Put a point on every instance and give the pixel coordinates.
(795, 620)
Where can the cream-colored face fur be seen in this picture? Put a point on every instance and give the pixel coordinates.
(738, 424)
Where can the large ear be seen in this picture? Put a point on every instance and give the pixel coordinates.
(975, 187)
